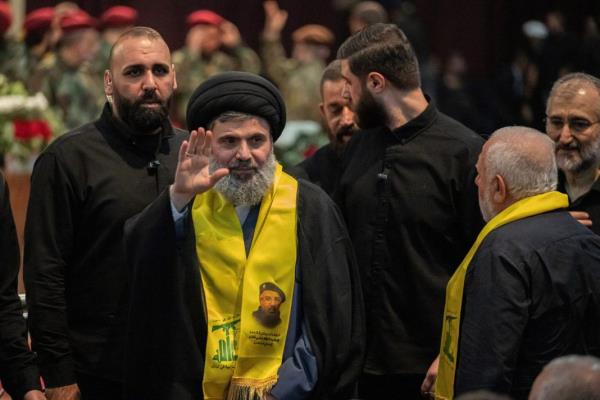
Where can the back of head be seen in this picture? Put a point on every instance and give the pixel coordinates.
(385, 49)
(135, 32)
(568, 378)
(368, 13)
(524, 157)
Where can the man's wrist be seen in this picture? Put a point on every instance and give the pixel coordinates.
(179, 200)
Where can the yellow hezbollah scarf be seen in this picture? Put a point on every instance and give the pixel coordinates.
(444, 388)
(243, 352)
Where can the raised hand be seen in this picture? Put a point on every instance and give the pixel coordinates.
(230, 35)
(193, 176)
(275, 19)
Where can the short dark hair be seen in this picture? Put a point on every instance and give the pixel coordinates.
(382, 48)
(332, 73)
(136, 31)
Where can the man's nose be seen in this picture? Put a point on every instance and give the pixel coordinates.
(149, 82)
(347, 116)
(565, 136)
(243, 152)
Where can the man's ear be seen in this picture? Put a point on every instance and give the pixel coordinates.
(499, 189)
(322, 109)
(375, 82)
(108, 83)
(174, 77)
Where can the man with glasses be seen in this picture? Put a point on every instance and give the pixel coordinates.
(573, 122)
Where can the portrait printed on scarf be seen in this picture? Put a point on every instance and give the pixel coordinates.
(270, 299)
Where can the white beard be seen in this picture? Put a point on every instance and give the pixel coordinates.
(245, 192)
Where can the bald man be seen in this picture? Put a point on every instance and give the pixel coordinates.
(84, 186)
(573, 122)
(529, 289)
(568, 378)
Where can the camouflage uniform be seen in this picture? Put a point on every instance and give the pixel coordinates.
(100, 63)
(77, 93)
(193, 70)
(12, 59)
(299, 83)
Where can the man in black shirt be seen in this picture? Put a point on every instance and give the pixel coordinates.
(323, 167)
(18, 372)
(573, 122)
(84, 186)
(408, 195)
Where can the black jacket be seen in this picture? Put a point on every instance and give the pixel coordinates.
(84, 186)
(167, 337)
(18, 371)
(532, 293)
(410, 203)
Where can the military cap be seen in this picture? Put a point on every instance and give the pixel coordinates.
(204, 17)
(272, 287)
(77, 20)
(39, 19)
(5, 17)
(236, 91)
(313, 34)
(118, 16)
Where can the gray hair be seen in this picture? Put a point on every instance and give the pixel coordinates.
(524, 157)
(579, 77)
(570, 377)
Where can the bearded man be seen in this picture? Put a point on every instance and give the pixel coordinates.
(232, 229)
(573, 122)
(84, 186)
(407, 193)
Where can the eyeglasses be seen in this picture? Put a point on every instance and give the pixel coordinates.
(576, 124)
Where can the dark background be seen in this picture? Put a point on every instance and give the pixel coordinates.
(484, 31)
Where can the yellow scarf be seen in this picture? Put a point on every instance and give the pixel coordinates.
(534, 205)
(245, 343)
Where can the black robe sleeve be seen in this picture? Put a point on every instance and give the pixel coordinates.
(18, 371)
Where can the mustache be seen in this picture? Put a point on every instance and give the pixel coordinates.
(149, 97)
(346, 130)
(571, 146)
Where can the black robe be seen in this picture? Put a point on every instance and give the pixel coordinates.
(167, 334)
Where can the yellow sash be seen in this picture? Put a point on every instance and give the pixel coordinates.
(444, 388)
(244, 348)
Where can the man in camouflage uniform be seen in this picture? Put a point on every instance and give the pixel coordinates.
(12, 55)
(113, 22)
(297, 77)
(69, 83)
(213, 45)
(37, 28)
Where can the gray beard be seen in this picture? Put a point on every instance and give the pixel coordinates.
(585, 157)
(245, 192)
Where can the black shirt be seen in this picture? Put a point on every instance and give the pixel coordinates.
(84, 186)
(589, 202)
(322, 168)
(410, 203)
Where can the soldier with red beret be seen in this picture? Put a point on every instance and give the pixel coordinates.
(213, 45)
(113, 22)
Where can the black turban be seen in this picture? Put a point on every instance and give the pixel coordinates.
(273, 288)
(236, 91)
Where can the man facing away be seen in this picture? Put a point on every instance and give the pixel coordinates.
(529, 288)
(573, 122)
(407, 193)
(233, 228)
(83, 188)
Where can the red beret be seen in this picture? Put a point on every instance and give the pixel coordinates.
(5, 17)
(118, 16)
(205, 17)
(77, 20)
(39, 19)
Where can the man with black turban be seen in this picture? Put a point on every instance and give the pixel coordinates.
(233, 234)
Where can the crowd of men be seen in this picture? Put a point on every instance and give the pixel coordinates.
(407, 258)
